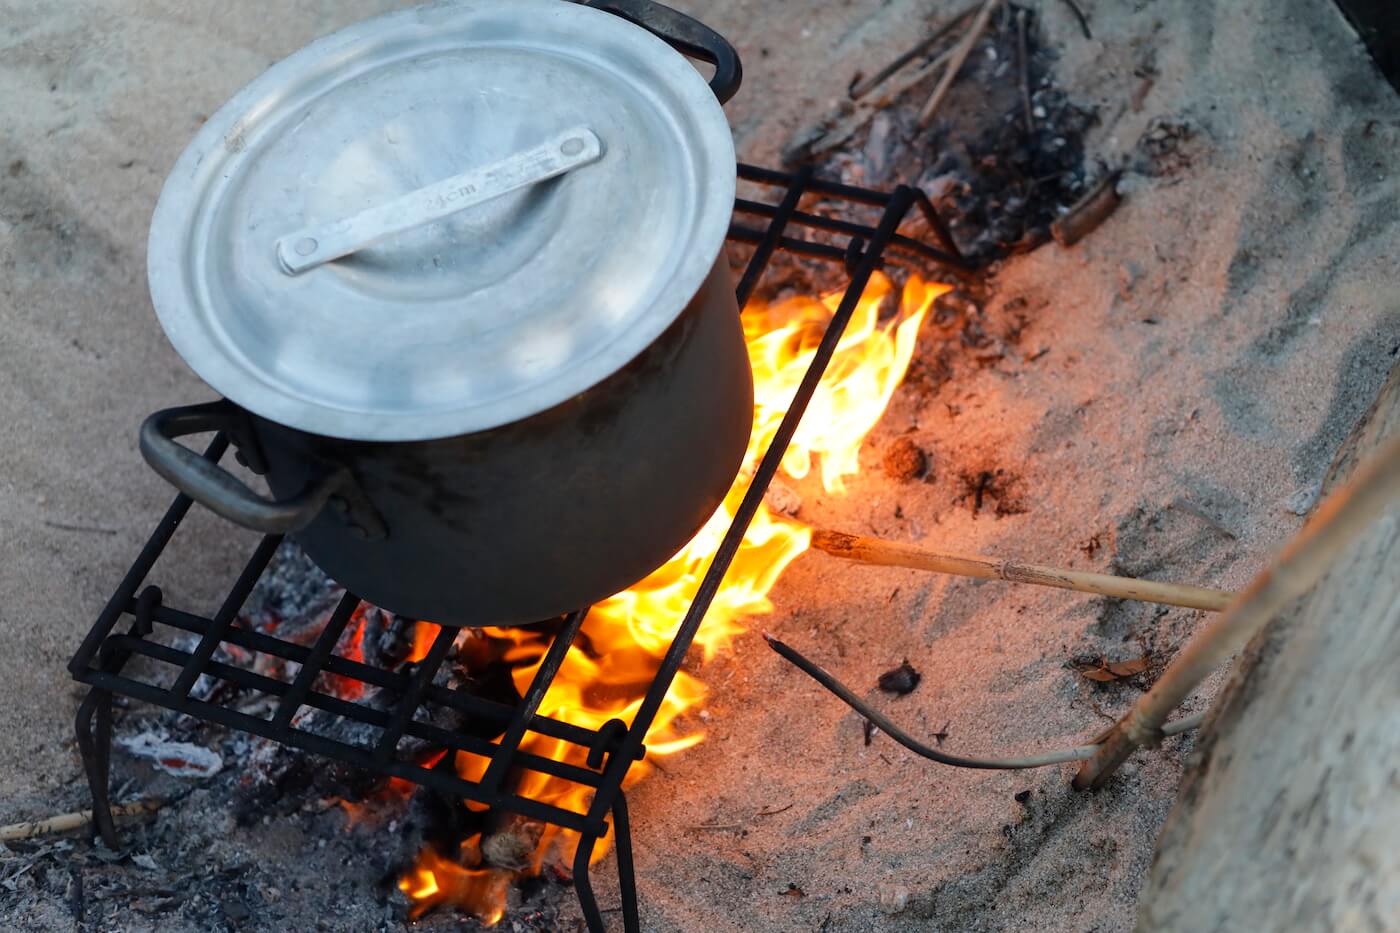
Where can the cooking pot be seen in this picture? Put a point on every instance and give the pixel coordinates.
(458, 273)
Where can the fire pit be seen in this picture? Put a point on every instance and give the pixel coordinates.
(592, 760)
(1161, 400)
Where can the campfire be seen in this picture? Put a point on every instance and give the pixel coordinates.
(628, 633)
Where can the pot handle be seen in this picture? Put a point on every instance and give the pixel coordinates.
(214, 487)
(688, 36)
(566, 151)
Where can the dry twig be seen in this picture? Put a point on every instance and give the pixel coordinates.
(895, 554)
(1334, 526)
(960, 54)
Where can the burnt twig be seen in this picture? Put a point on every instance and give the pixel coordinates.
(1025, 71)
(1081, 753)
(1089, 211)
(1079, 15)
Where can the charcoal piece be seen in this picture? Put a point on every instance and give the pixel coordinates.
(900, 680)
(388, 638)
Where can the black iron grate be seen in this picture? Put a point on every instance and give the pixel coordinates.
(102, 660)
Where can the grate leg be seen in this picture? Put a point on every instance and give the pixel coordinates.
(584, 887)
(626, 874)
(94, 727)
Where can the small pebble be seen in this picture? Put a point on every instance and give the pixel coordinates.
(893, 898)
(1302, 501)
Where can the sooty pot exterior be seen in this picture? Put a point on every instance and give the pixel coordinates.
(519, 523)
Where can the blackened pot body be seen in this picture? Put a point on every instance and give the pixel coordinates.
(550, 514)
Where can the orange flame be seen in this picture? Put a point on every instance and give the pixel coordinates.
(629, 633)
(435, 881)
(351, 646)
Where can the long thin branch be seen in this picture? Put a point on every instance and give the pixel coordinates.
(897, 554)
(1334, 526)
(821, 676)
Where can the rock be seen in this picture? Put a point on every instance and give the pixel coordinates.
(1302, 500)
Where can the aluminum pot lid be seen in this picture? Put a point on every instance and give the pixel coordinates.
(442, 220)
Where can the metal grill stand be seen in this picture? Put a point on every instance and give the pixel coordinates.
(102, 660)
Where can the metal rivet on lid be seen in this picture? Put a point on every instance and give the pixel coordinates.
(306, 246)
(571, 146)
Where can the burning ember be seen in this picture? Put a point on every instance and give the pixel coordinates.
(628, 633)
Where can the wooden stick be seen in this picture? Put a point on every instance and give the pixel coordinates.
(895, 554)
(66, 821)
(1334, 526)
(963, 50)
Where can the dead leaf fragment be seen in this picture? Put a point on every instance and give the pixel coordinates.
(1128, 668)
(1104, 671)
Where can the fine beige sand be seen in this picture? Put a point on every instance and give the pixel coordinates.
(1205, 352)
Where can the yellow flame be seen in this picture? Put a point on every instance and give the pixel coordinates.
(628, 633)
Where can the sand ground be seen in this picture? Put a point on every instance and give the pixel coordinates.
(1207, 349)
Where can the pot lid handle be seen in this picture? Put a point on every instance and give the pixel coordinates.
(310, 247)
